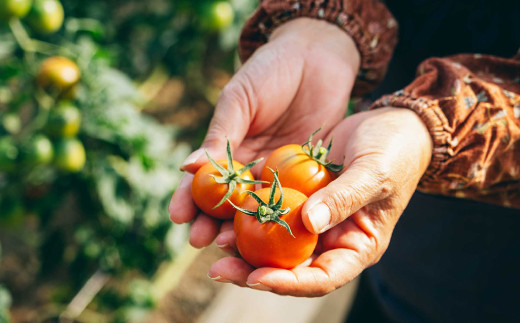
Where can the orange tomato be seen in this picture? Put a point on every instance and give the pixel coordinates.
(270, 244)
(297, 170)
(207, 193)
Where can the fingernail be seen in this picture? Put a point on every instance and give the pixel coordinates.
(319, 217)
(222, 245)
(192, 158)
(259, 286)
(219, 279)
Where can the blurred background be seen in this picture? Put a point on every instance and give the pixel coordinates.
(100, 101)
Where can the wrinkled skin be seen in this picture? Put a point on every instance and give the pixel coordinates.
(283, 93)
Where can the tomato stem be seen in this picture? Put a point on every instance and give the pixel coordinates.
(230, 176)
(319, 154)
(269, 212)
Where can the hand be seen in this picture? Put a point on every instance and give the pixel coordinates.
(386, 153)
(300, 80)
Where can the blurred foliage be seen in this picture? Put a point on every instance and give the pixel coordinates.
(85, 175)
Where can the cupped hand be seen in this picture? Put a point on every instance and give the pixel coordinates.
(297, 82)
(386, 152)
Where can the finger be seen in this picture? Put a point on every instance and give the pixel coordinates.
(203, 231)
(230, 121)
(362, 183)
(181, 208)
(227, 242)
(230, 270)
(328, 272)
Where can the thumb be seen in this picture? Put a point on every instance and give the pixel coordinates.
(360, 185)
(230, 121)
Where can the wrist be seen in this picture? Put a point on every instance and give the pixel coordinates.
(312, 33)
(416, 130)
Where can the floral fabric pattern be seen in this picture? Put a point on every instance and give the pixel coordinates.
(471, 106)
(368, 22)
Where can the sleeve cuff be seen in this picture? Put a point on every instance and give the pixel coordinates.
(369, 23)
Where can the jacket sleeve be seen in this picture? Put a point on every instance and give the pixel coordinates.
(368, 22)
(471, 106)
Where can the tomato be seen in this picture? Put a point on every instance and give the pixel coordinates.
(297, 170)
(58, 74)
(11, 123)
(218, 16)
(69, 155)
(218, 181)
(64, 120)
(270, 244)
(37, 151)
(8, 154)
(46, 16)
(14, 8)
(207, 192)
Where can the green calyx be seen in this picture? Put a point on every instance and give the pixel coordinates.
(269, 212)
(231, 176)
(319, 154)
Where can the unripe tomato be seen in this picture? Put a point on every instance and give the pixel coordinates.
(297, 170)
(207, 193)
(11, 123)
(270, 244)
(37, 151)
(69, 155)
(46, 16)
(8, 154)
(58, 75)
(218, 15)
(64, 120)
(14, 8)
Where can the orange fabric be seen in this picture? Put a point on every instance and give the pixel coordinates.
(471, 106)
(368, 22)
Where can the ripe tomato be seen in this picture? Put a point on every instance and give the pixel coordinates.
(303, 168)
(207, 193)
(46, 16)
(219, 181)
(14, 8)
(270, 244)
(69, 155)
(58, 75)
(63, 121)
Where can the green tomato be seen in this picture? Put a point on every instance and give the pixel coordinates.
(8, 154)
(64, 120)
(218, 16)
(46, 16)
(37, 151)
(14, 8)
(69, 155)
(10, 123)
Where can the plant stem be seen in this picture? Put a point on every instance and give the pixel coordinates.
(87, 293)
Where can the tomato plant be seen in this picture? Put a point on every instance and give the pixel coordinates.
(14, 8)
(272, 234)
(218, 15)
(58, 75)
(218, 181)
(64, 120)
(37, 151)
(46, 16)
(8, 154)
(70, 155)
(304, 168)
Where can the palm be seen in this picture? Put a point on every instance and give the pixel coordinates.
(288, 113)
(370, 142)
